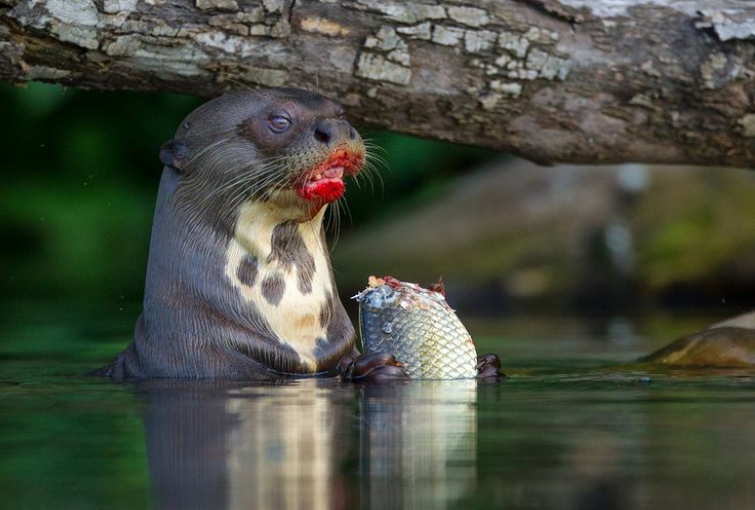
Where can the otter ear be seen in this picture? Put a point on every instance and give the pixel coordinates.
(173, 154)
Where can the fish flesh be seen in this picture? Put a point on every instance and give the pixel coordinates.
(417, 327)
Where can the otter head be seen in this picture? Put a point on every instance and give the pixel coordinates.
(288, 147)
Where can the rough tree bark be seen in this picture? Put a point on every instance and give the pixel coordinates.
(552, 80)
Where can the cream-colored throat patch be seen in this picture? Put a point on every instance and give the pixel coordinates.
(290, 296)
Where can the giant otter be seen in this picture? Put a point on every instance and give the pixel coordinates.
(239, 283)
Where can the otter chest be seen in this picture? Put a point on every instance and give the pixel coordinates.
(281, 268)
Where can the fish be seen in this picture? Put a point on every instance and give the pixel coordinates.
(418, 327)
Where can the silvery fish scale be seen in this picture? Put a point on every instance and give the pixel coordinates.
(418, 327)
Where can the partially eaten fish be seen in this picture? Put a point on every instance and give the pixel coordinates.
(418, 327)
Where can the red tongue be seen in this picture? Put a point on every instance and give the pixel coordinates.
(327, 190)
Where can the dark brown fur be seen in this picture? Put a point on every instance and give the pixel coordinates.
(195, 324)
(273, 288)
(289, 249)
(247, 272)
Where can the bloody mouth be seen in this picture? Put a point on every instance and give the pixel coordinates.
(324, 183)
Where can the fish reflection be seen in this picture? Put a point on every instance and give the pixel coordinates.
(418, 444)
(310, 444)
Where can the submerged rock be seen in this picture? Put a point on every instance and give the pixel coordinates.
(718, 346)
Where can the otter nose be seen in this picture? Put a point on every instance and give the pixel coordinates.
(329, 131)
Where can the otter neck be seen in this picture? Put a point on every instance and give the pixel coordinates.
(279, 265)
(261, 227)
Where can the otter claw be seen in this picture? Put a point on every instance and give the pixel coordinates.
(489, 367)
(374, 366)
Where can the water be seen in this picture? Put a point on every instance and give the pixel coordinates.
(573, 427)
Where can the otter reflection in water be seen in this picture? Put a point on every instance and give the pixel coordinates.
(225, 445)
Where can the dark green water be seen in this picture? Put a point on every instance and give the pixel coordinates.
(563, 432)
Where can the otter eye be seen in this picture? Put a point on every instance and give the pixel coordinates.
(278, 123)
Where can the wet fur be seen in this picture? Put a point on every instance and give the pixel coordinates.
(230, 261)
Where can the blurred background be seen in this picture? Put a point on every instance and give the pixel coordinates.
(80, 177)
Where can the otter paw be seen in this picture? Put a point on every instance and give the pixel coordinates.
(345, 362)
(374, 366)
(489, 367)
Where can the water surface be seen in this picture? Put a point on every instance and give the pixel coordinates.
(573, 427)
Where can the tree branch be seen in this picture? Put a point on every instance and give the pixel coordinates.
(551, 80)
